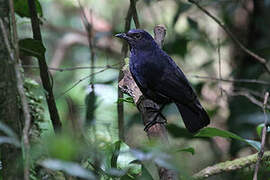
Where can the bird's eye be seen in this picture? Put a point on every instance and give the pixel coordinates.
(137, 36)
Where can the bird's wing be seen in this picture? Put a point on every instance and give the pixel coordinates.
(137, 78)
(173, 83)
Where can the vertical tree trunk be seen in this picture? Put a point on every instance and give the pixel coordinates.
(10, 112)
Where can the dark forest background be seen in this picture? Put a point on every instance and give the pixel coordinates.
(63, 116)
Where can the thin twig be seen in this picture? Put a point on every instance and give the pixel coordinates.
(219, 67)
(132, 12)
(91, 44)
(73, 37)
(74, 68)
(252, 81)
(247, 95)
(79, 81)
(62, 29)
(264, 131)
(135, 14)
(253, 93)
(89, 29)
(258, 58)
(230, 166)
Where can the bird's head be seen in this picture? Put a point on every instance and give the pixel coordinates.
(138, 39)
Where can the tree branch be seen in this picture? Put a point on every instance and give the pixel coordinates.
(17, 66)
(135, 14)
(264, 131)
(44, 74)
(20, 88)
(247, 95)
(80, 80)
(90, 36)
(88, 25)
(25, 107)
(252, 81)
(132, 12)
(229, 166)
(74, 68)
(258, 58)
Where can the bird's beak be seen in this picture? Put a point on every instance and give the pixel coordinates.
(123, 36)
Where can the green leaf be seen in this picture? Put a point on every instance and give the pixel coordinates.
(178, 132)
(127, 100)
(259, 129)
(70, 168)
(21, 8)
(115, 154)
(190, 150)
(214, 132)
(32, 47)
(91, 106)
(255, 144)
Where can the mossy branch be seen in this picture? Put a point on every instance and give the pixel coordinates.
(229, 166)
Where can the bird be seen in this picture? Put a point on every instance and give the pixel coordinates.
(161, 80)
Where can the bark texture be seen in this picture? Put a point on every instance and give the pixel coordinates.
(10, 112)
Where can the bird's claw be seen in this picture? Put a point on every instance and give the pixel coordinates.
(156, 120)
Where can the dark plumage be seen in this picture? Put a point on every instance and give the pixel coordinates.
(161, 80)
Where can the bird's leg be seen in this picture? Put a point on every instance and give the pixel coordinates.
(155, 120)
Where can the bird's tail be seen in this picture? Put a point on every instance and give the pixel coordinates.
(194, 116)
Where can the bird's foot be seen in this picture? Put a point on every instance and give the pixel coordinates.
(153, 122)
(156, 119)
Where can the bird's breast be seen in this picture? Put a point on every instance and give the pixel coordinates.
(146, 68)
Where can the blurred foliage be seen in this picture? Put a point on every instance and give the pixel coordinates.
(35, 102)
(91, 106)
(242, 120)
(10, 138)
(31, 47)
(190, 150)
(72, 169)
(127, 100)
(21, 8)
(88, 147)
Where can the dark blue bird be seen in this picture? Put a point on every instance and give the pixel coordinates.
(161, 80)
